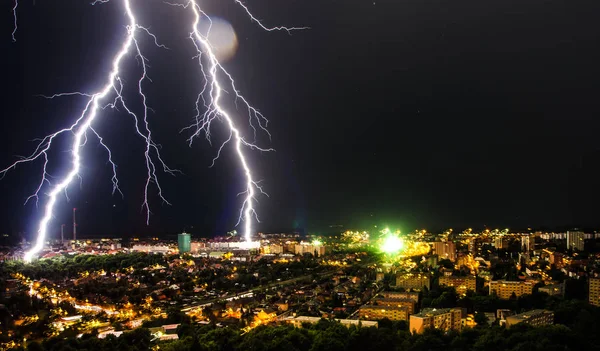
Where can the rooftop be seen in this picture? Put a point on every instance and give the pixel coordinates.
(529, 314)
(428, 312)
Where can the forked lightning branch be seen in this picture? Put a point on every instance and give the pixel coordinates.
(209, 108)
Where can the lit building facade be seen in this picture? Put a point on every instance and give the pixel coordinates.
(444, 250)
(445, 319)
(554, 289)
(535, 318)
(408, 303)
(372, 312)
(575, 240)
(501, 242)
(594, 297)
(184, 243)
(461, 284)
(414, 281)
(504, 288)
(414, 296)
(303, 248)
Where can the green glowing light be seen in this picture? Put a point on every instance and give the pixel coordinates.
(317, 242)
(392, 244)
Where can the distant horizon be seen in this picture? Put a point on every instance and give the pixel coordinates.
(326, 232)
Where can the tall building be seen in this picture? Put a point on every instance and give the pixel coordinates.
(372, 312)
(501, 242)
(415, 281)
(535, 318)
(505, 289)
(184, 242)
(527, 243)
(594, 296)
(444, 250)
(575, 240)
(461, 284)
(444, 319)
(474, 247)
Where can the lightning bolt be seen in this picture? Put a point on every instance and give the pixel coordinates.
(84, 125)
(210, 96)
(14, 11)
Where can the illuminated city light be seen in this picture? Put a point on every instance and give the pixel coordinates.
(392, 244)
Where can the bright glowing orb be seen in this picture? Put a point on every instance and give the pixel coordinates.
(392, 244)
(317, 242)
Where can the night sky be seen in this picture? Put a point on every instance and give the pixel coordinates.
(411, 113)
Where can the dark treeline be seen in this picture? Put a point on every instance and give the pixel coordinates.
(67, 267)
(332, 336)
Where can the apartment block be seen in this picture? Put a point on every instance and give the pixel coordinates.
(445, 319)
(414, 296)
(408, 303)
(414, 281)
(504, 288)
(594, 291)
(461, 284)
(372, 312)
(535, 318)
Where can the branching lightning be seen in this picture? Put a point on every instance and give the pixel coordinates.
(210, 96)
(83, 126)
(208, 108)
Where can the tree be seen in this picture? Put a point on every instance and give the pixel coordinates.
(481, 319)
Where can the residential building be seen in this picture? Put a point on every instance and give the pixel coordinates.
(461, 284)
(535, 318)
(303, 248)
(415, 281)
(505, 289)
(372, 312)
(527, 243)
(298, 321)
(554, 289)
(575, 240)
(408, 303)
(444, 319)
(444, 250)
(501, 242)
(414, 296)
(594, 291)
(474, 247)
